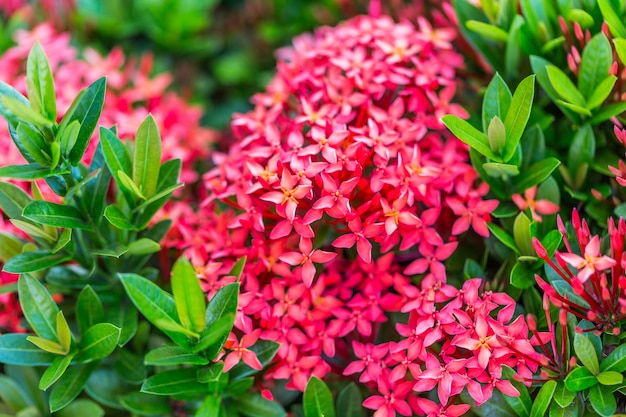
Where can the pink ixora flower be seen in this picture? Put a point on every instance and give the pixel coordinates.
(536, 207)
(591, 261)
(239, 351)
(305, 258)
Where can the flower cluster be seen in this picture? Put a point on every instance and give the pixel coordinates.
(133, 93)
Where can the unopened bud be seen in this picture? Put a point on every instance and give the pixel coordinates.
(496, 132)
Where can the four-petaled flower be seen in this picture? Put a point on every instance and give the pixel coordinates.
(305, 259)
(590, 262)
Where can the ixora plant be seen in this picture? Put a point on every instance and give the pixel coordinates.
(365, 245)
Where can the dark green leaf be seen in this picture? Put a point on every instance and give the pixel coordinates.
(543, 398)
(188, 295)
(81, 407)
(52, 214)
(40, 83)
(173, 355)
(64, 240)
(518, 114)
(106, 387)
(16, 350)
(70, 385)
(68, 136)
(586, 353)
(224, 303)
(562, 396)
(38, 306)
(536, 174)
(55, 371)
(602, 400)
(318, 400)
(582, 150)
(349, 402)
(34, 261)
(34, 143)
(115, 216)
(147, 405)
(255, 405)
(12, 394)
(96, 191)
(27, 172)
(470, 135)
(117, 159)
(174, 382)
(168, 176)
(522, 276)
(154, 303)
(595, 64)
(580, 379)
(503, 237)
(98, 342)
(113, 251)
(212, 373)
(13, 200)
(539, 66)
(616, 361)
(85, 109)
(147, 157)
(130, 367)
(89, 309)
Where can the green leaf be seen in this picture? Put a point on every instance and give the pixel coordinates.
(47, 345)
(40, 83)
(616, 361)
(38, 306)
(212, 373)
(586, 353)
(564, 86)
(608, 111)
(81, 407)
(154, 303)
(34, 143)
(470, 135)
(13, 200)
(55, 371)
(130, 366)
(113, 251)
(496, 101)
(98, 342)
(188, 295)
(159, 195)
(582, 150)
(63, 332)
(64, 240)
(223, 303)
(168, 176)
(106, 386)
(115, 216)
(15, 349)
(543, 398)
(127, 183)
(173, 355)
(610, 378)
(349, 402)
(522, 236)
(210, 407)
(117, 158)
(620, 48)
(70, 385)
(503, 171)
(521, 276)
(96, 191)
(52, 214)
(255, 405)
(612, 18)
(143, 246)
(602, 400)
(601, 92)
(35, 231)
(12, 394)
(147, 405)
(503, 237)
(595, 64)
(24, 111)
(466, 11)
(318, 400)
(89, 309)
(173, 326)
(27, 172)
(34, 261)
(68, 136)
(539, 67)
(496, 132)
(488, 31)
(174, 382)
(237, 269)
(147, 156)
(562, 396)
(518, 114)
(536, 174)
(580, 379)
(86, 109)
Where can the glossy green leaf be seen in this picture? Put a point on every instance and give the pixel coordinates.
(349, 402)
(27, 172)
(612, 18)
(34, 143)
(586, 353)
(116, 157)
(106, 386)
(98, 189)
(616, 361)
(127, 183)
(596, 61)
(25, 112)
(174, 382)
(86, 109)
(223, 304)
(212, 373)
(580, 379)
(70, 385)
(40, 83)
(68, 136)
(504, 171)
(601, 92)
(147, 405)
(210, 406)
(543, 399)
(175, 327)
(98, 342)
(608, 111)
(564, 86)
(147, 157)
(64, 239)
(15, 349)
(318, 400)
(467, 11)
(81, 407)
(188, 295)
(536, 174)
(496, 101)
(118, 219)
(159, 195)
(154, 303)
(503, 237)
(488, 31)
(13, 200)
(237, 269)
(52, 214)
(55, 371)
(12, 394)
(173, 355)
(518, 114)
(469, 135)
(620, 48)
(34, 261)
(602, 400)
(38, 306)
(143, 246)
(130, 367)
(563, 396)
(113, 251)
(89, 309)
(255, 405)
(610, 378)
